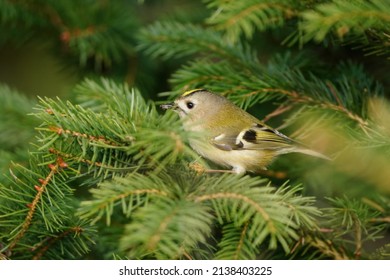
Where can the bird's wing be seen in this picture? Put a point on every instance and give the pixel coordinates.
(257, 137)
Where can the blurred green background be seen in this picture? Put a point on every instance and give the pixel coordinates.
(37, 60)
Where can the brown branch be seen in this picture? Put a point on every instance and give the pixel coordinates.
(380, 220)
(358, 238)
(69, 34)
(326, 247)
(301, 241)
(334, 93)
(187, 255)
(33, 205)
(299, 98)
(98, 139)
(278, 111)
(373, 204)
(52, 240)
(162, 227)
(241, 241)
(183, 252)
(78, 159)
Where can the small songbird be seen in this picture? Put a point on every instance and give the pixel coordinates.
(230, 136)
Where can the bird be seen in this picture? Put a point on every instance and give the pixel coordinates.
(230, 136)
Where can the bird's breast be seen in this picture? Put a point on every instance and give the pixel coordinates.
(249, 160)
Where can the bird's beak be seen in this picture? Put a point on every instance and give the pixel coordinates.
(167, 106)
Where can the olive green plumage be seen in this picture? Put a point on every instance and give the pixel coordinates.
(230, 136)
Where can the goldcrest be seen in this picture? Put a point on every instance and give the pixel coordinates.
(230, 136)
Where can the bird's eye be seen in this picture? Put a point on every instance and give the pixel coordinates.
(190, 105)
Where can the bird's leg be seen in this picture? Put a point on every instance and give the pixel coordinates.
(235, 170)
(219, 171)
(201, 169)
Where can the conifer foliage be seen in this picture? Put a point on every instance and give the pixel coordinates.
(105, 174)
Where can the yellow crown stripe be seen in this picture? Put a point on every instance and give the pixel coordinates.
(191, 91)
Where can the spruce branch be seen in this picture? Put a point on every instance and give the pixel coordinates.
(106, 94)
(255, 204)
(31, 185)
(115, 139)
(14, 121)
(33, 205)
(180, 225)
(76, 143)
(269, 217)
(326, 247)
(241, 201)
(40, 249)
(377, 43)
(99, 36)
(119, 192)
(354, 219)
(244, 17)
(362, 23)
(235, 244)
(175, 40)
(345, 16)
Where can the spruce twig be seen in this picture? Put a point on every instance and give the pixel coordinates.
(33, 205)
